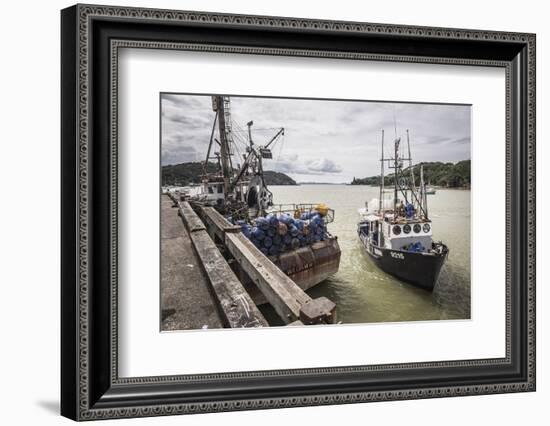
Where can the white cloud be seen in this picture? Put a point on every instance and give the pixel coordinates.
(323, 165)
(294, 165)
(324, 140)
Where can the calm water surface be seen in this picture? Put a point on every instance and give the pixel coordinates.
(364, 293)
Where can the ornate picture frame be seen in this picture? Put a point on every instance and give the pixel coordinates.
(91, 37)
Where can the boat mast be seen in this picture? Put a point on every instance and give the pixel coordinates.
(413, 184)
(205, 166)
(423, 197)
(380, 202)
(258, 158)
(222, 108)
(395, 161)
(417, 197)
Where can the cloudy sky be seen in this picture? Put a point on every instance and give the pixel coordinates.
(324, 141)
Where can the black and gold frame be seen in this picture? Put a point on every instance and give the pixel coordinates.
(91, 39)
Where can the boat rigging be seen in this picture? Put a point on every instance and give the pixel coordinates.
(243, 192)
(294, 236)
(396, 229)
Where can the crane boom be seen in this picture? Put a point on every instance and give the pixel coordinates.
(280, 132)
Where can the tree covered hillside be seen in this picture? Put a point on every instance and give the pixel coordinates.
(186, 173)
(447, 175)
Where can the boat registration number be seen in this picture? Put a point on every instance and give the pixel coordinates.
(397, 255)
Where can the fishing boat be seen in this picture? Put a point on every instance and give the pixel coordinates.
(294, 236)
(396, 230)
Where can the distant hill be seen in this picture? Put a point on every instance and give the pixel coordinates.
(186, 173)
(276, 178)
(447, 175)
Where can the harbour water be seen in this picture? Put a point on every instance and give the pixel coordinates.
(362, 292)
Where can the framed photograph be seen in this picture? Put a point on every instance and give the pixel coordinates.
(263, 212)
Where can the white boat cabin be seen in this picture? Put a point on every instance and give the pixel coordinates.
(399, 233)
(212, 191)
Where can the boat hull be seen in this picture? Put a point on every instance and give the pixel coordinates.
(306, 266)
(311, 265)
(419, 269)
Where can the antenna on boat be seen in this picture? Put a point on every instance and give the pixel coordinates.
(380, 203)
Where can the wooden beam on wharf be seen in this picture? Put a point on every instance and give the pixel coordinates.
(318, 311)
(289, 301)
(271, 281)
(173, 198)
(190, 218)
(236, 306)
(216, 224)
(187, 301)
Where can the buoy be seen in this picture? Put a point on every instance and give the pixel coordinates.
(322, 209)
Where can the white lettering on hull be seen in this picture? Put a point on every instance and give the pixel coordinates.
(397, 255)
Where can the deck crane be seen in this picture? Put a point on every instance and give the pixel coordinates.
(247, 184)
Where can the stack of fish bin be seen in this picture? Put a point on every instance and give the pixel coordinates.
(278, 233)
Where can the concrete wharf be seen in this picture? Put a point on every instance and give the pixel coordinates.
(205, 262)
